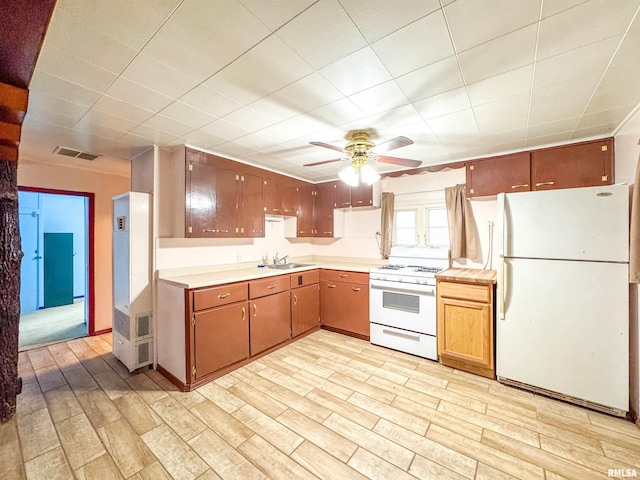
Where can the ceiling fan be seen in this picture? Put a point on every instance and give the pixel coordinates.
(360, 150)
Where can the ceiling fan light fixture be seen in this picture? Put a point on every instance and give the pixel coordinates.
(368, 175)
(349, 176)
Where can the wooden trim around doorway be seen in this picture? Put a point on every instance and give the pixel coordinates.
(91, 257)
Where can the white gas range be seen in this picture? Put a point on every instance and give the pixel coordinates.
(402, 300)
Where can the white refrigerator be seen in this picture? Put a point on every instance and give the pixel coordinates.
(562, 325)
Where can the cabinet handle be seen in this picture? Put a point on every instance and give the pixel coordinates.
(224, 295)
(295, 299)
(303, 231)
(544, 183)
(210, 230)
(271, 287)
(255, 310)
(331, 286)
(359, 201)
(343, 275)
(524, 185)
(244, 314)
(356, 289)
(223, 231)
(257, 231)
(328, 233)
(346, 204)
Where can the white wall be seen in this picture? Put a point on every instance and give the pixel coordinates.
(627, 152)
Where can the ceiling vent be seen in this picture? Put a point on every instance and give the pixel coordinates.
(70, 152)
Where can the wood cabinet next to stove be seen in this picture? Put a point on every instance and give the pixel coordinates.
(466, 318)
(344, 302)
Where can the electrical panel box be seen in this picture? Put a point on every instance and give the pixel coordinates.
(132, 298)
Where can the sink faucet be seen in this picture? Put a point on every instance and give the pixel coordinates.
(277, 260)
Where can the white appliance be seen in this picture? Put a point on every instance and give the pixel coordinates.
(402, 300)
(562, 326)
(132, 299)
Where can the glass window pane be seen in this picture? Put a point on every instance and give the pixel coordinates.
(437, 217)
(404, 227)
(439, 236)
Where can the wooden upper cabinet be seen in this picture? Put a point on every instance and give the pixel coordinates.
(200, 199)
(224, 222)
(506, 173)
(273, 196)
(290, 199)
(251, 206)
(341, 195)
(305, 211)
(362, 195)
(323, 210)
(569, 166)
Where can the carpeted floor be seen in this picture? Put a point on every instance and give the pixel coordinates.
(52, 325)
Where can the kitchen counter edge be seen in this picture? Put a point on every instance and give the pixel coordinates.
(207, 279)
(468, 275)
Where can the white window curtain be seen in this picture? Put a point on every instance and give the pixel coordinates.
(386, 224)
(463, 232)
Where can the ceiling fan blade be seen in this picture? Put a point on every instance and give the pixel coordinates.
(405, 162)
(392, 144)
(322, 163)
(326, 145)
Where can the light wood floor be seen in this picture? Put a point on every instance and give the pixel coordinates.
(326, 406)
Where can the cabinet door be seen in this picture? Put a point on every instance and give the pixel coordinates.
(324, 210)
(305, 309)
(579, 165)
(332, 301)
(221, 338)
(270, 322)
(290, 199)
(362, 195)
(356, 309)
(200, 200)
(305, 211)
(341, 195)
(252, 207)
(507, 173)
(466, 333)
(273, 190)
(226, 198)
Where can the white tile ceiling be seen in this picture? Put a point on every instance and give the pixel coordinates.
(258, 81)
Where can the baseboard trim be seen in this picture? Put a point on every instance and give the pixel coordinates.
(100, 332)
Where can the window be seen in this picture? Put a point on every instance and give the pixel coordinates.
(421, 226)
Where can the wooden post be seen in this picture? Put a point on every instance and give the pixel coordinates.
(10, 257)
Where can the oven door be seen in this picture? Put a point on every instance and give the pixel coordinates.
(403, 305)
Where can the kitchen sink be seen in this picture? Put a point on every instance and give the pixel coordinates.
(288, 266)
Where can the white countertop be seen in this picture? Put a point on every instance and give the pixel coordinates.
(221, 274)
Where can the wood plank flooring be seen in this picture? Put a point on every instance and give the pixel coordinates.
(326, 406)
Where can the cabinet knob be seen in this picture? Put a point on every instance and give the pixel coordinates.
(271, 287)
(224, 295)
(255, 310)
(295, 299)
(331, 285)
(343, 275)
(356, 289)
(244, 314)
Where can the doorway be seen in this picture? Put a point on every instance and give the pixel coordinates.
(56, 288)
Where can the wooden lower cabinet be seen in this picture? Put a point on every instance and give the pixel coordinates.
(345, 306)
(466, 326)
(270, 321)
(220, 338)
(305, 309)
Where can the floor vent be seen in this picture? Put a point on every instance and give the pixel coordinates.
(70, 152)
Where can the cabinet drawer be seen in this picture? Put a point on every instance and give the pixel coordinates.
(216, 296)
(344, 276)
(305, 278)
(268, 286)
(465, 291)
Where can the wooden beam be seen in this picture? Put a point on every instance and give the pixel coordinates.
(9, 134)
(13, 103)
(9, 153)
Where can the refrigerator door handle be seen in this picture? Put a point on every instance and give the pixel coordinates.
(502, 288)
